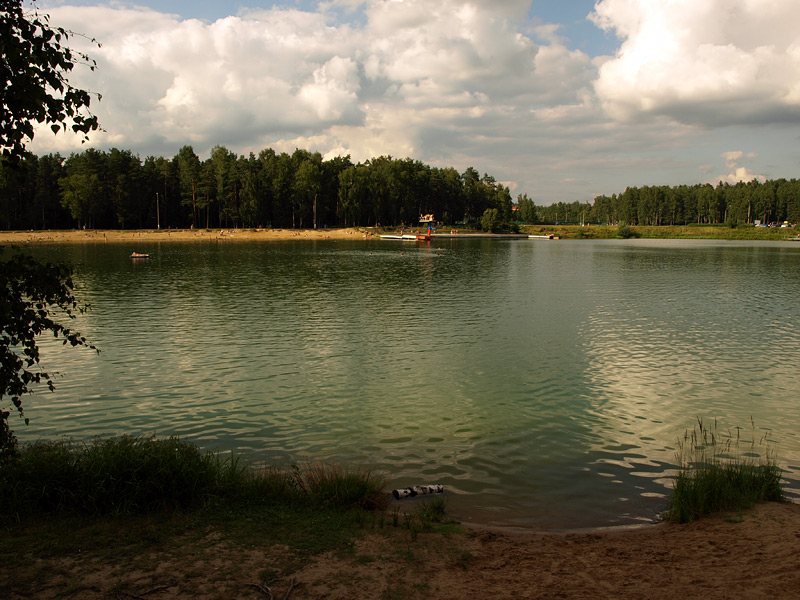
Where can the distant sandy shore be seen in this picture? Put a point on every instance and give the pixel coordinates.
(178, 235)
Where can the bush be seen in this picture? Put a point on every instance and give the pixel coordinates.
(714, 475)
(625, 232)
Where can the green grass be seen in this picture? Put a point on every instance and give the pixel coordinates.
(332, 485)
(139, 475)
(82, 517)
(123, 504)
(721, 472)
(115, 476)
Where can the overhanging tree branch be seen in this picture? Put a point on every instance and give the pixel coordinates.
(34, 298)
(34, 63)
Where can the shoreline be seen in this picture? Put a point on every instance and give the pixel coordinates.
(140, 238)
(570, 232)
(115, 236)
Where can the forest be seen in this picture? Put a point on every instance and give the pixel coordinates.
(115, 189)
(773, 201)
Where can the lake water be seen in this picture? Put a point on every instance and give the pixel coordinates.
(544, 383)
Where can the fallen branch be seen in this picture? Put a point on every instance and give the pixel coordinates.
(263, 588)
(142, 596)
(289, 591)
(267, 591)
(160, 588)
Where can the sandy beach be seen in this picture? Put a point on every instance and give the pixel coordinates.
(746, 555)
(179, 235)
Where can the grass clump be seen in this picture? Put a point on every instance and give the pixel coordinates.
(334, 486)
(115, 476)
(433, 510)
(716, 475)
(139, 475)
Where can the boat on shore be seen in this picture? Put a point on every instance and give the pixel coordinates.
(409, 237)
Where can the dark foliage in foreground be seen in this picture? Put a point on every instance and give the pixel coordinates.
(129, 475)
(35, 63)
(35, 298)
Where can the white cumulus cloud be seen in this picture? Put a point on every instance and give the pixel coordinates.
(458, 83)
(737, 172)
(403, 82)
(707, 62)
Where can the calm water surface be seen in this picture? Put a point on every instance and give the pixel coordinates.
(544, 383)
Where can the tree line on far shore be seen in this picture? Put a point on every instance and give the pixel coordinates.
(773, 201)
(116, 189)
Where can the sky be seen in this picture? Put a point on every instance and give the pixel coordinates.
(559, 100)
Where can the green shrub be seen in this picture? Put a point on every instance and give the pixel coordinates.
(715, 475)
(491, 220)
(625, 232)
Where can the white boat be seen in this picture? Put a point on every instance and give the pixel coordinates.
(397, 236)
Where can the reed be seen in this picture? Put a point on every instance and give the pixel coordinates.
(117, 475)
(335, 486)
(721, 471)
(130, 475)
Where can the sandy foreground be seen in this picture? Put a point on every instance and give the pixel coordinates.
(755, 554)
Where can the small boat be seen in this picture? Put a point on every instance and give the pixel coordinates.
(543, 237)
(139, 255)
(405, 236)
